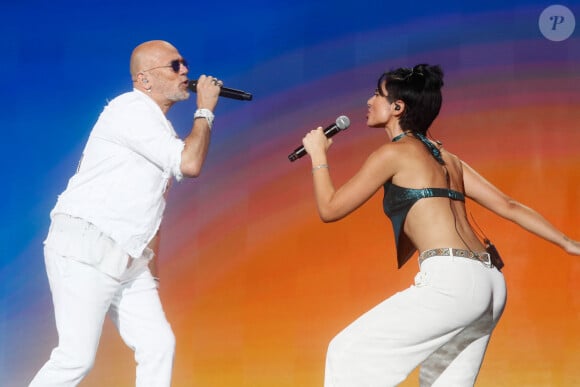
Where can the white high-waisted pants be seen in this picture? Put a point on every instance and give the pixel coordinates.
(82, 296)
(443, 322)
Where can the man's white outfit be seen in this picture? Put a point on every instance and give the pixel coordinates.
(96, 251)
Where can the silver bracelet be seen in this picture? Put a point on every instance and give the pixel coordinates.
(205, 113)
(319, 166)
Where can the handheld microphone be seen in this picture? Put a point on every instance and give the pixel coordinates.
(224, 92)
(341, 123)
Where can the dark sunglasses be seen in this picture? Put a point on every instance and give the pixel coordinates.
(175, 65)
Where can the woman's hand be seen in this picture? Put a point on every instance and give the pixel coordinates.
(316, 143)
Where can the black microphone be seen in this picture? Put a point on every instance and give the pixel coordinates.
(225, 92)
(341, 123)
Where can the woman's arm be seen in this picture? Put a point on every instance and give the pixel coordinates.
(487, 195)
(334, 204)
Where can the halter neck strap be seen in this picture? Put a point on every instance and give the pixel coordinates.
(400, 136)
(430, 147)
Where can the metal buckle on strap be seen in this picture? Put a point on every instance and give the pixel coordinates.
(485, 258)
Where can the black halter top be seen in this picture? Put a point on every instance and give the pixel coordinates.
(397, 202)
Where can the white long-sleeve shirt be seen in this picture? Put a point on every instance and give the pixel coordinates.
(119, 186)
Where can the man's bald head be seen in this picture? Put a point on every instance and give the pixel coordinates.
(147, 55)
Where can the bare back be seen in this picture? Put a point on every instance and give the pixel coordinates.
(433, 222)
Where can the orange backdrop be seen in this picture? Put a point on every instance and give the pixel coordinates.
(255, 285)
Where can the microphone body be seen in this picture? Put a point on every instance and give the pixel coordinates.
(224, 92)
(341, 123)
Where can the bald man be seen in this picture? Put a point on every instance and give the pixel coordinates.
(101, 247)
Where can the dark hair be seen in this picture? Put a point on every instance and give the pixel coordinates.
(420, 89)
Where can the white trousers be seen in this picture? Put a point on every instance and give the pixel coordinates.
(443, 322)
(82, 296)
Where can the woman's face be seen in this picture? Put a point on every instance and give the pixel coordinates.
(379, 109)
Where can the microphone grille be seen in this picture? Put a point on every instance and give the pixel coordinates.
(343, 122)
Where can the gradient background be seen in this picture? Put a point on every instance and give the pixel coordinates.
(254, 285)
